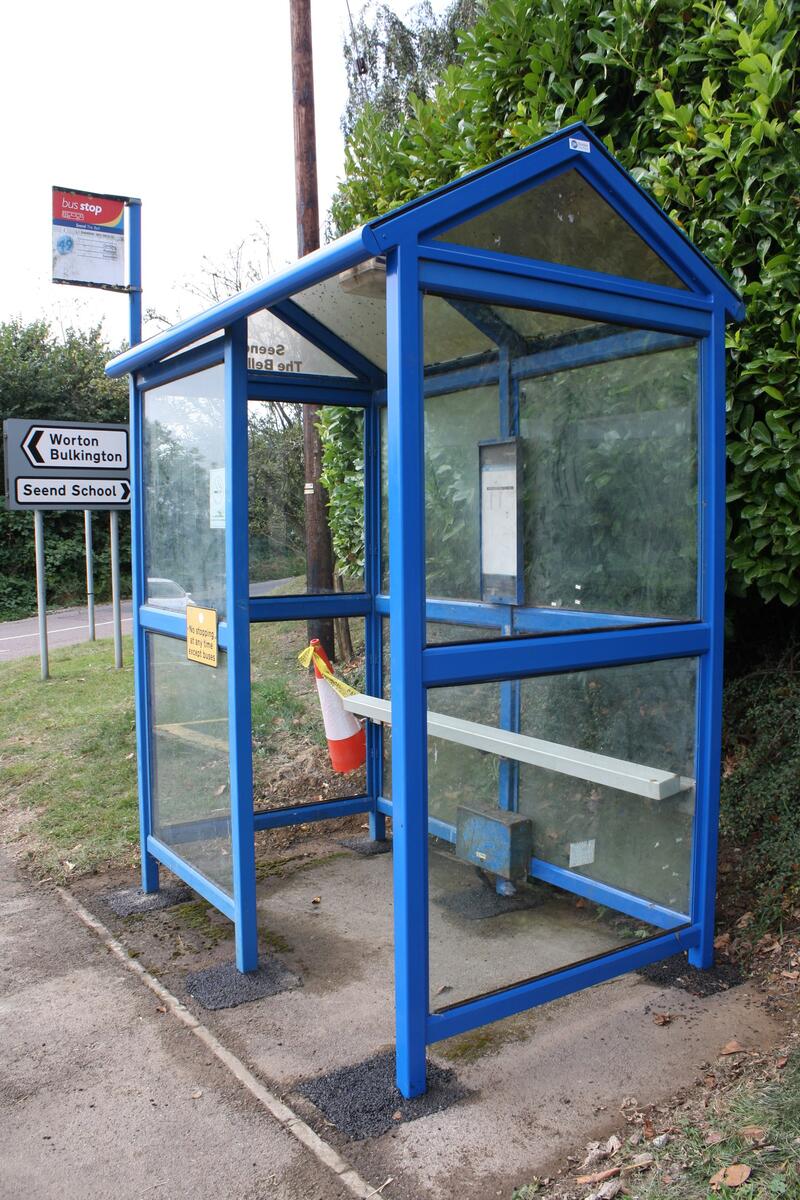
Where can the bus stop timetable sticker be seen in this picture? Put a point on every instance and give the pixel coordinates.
(201, 635)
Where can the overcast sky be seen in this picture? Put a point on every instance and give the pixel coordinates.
(184, 103)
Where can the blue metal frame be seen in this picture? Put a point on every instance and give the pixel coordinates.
(566, 640)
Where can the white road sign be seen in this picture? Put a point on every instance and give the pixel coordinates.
(59, 446)
(72, 492)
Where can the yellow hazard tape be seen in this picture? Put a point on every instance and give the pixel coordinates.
(309, 655)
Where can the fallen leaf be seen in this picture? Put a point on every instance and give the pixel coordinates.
(744, 920)
(130, 756)
(69, 865)
(732, 1047)
(599, 1176)
(753, 1133)
(613, 1144)
(732, 1176)
(317, 900)
(793, 975)
(662, 1018)
(714, 1138)
(722, 941)
(660, 1141)
(446, 987)
(220, 789)
(710, 1081)
(160, 1008)
(648, 1129)
(580, 902)
(397, 1116)
(196, 1095)
(780, 1063)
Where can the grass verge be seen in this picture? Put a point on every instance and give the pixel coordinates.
(67, 748)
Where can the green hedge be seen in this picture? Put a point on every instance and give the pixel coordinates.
(700, 102)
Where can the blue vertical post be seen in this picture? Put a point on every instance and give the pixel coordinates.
(237, 616)
(712, 573)
(373, 632)
(407, 634)
(141, 671)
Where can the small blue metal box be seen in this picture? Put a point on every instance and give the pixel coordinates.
(499, 842)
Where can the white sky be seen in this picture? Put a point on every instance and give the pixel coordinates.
(184, 103)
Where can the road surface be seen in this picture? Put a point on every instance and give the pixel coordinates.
(65, 627)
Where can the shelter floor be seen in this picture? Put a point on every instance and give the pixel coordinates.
(536, 1086)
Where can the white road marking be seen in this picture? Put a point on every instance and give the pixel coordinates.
(53, 632)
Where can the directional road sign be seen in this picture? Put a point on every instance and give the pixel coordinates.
(56, 465)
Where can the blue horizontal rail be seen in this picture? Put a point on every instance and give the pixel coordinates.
(287, 387)
(470, 1014)
(196, 881)
(516, 658)
(323, 810)
(156, 620)
(197, 358)
(302, 608)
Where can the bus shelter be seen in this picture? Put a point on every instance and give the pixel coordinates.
(529, 364)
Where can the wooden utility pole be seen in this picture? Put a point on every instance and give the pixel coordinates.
(319, 552)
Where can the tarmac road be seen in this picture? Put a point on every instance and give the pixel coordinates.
(65, 627)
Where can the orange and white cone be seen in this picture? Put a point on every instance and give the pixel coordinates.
(347, 742)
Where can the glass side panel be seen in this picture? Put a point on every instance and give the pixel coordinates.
(190, 764)
(279, 517)
(565, 221)
(184, 492)
(596, 522)
(291, 760)
(272, 345)
(493, 920)
(642, 714)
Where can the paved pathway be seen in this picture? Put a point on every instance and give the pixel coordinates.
(103, 1094)
(65, 627)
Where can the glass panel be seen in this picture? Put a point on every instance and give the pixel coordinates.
(272, 345)
(278, 519)
(184, 492)
(353, 306)
(602, 422)
(190, 767)
(493, 925)
(291, 762)
(564, 220)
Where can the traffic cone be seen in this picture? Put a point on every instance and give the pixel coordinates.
(347, 742)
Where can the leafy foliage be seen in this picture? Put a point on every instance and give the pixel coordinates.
(761, 789)
(342, 436)
(700, 102)
(46, 377)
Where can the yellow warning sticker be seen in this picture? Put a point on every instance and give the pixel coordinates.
(201, 635)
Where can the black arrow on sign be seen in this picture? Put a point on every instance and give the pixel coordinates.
(127, 490)
(30, 445)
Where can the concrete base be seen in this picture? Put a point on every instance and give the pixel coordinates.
(536, 1087)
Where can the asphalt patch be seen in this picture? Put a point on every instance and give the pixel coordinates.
(225, 987)
(479, 900)
(128, 902)
(362, 1100)
(366, 846)
(676, 972)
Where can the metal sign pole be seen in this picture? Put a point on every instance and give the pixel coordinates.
(87, 535)
(115, 600)
(41, 590)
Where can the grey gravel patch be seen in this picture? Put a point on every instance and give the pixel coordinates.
(362, 1100)
(676, 972)
(366, 846)
(127, 902)
(479, 901)
(225, 987)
